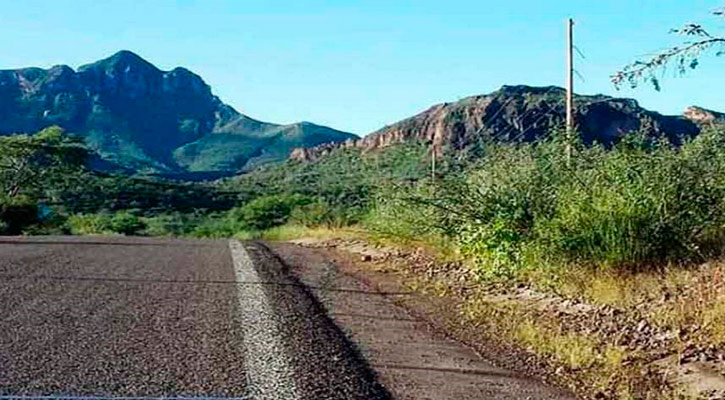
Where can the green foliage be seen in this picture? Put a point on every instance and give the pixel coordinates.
(683, 57)
(345, 180)
(639, 203)
(89, 224)
(397, 213)
(170, 224)
(313, 214)
(268, 211)
(126, 223)
(122, 223)
(37, 165)
(151, 196)
(217, 226)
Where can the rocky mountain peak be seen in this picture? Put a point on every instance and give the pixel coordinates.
(145, 119)
(521, 113)
(121, 61)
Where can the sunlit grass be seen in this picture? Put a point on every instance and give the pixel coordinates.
(295, 231)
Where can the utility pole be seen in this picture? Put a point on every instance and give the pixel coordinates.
(569, 87)
(433, 169)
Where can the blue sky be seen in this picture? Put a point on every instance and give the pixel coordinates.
(358, 65)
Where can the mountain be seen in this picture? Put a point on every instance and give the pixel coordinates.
(142, 119)
(523, 113)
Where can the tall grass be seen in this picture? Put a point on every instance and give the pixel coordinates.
(640, 203)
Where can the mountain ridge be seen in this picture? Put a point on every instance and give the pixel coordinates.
(147, 120)
(522, 112)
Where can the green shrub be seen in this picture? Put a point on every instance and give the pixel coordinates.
(123, 223)
(89, 224)
(216, 226)
(642, 202)
(268, 211)
(173, 224)
(126, 223)
(313, 214)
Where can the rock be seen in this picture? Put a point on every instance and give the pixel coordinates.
(513, 113)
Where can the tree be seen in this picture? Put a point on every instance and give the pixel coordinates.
(686, 56)
(35, 165)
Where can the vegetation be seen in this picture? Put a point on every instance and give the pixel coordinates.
(520, 208)
(44, 180)
(35, 167)
(641, 203)
(684, 57)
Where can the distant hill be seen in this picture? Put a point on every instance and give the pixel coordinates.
(523, 113)
(141, 119)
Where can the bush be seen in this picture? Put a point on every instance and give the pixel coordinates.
(172, 224)
(313, 214)
(642, 202)
(89, 224)
(216, 226)
(123, 223)
(268, 211)
(126, 223)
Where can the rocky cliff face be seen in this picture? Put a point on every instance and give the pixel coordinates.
(145, 119)
(703, 116)
(520, 113)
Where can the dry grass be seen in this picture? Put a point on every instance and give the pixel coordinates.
(675, 298)
(713, 320)
(292, 231)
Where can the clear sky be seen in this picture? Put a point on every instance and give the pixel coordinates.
(358, 65)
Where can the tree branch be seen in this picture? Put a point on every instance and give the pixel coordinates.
(686, 57)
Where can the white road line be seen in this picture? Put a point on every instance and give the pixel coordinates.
(270, 374)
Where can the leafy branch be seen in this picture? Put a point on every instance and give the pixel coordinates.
(685, 57)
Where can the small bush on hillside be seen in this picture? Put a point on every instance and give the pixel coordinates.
(216, 226)
(172, 224)
(399, 213)
(321, 213)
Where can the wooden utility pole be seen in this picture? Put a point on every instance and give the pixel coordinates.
(433, 169)
(569, 86)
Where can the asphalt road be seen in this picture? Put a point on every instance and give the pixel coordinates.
(125, 317)
(151, 318)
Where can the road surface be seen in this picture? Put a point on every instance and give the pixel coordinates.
(150, 318)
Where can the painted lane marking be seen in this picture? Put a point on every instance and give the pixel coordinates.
(270, 374)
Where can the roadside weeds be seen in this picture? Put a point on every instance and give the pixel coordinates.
(604, 336)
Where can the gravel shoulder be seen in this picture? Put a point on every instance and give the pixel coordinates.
(412, 358)
(299, 352)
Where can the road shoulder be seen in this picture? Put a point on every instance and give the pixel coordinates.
(412, 357)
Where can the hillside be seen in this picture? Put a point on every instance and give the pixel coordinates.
(140, 118)
(523, 113)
